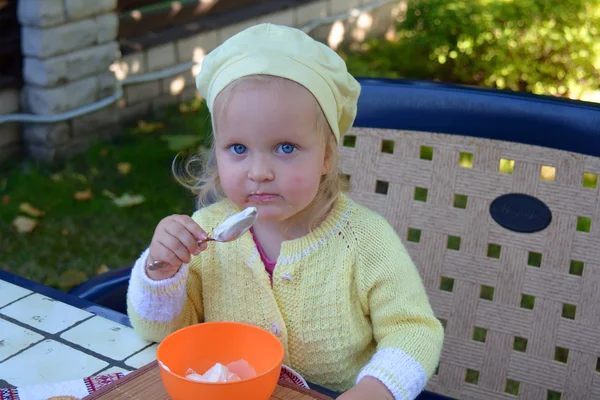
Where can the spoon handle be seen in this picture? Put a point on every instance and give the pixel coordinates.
(156, 265)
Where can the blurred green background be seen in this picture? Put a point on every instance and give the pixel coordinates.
(539, 46)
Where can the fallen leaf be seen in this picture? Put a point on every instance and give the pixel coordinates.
(31, 210)
(124, 168)
(65, 232)
(102, 269)
(80, 177)
(109, 194)
(71, 278)
(24, 224)
(196, 104)
(84, 195)
(5, 199)
(179, 143)
(186, 108)
(56, 177)
(128, 200)
(148, 127)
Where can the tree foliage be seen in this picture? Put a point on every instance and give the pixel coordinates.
(540, 46)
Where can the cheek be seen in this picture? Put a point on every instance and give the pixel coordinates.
(229, 174)
(225, 166)
(303, 182)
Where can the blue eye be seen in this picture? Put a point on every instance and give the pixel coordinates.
(286, 148)
(237, 149)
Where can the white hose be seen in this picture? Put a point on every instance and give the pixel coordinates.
(165, 73)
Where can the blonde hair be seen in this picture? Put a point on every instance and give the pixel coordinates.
(202, 177)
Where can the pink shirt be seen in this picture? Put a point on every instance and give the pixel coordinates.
(269, 265)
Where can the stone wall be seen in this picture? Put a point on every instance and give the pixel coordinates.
(68, 47)
(10, 134)
(72, 59)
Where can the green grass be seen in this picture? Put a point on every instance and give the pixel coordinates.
(74, 238)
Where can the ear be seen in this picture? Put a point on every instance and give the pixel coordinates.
(326, 163)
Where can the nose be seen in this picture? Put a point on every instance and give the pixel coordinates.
(260, 169)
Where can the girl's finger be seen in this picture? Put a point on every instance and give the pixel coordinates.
(163, 253)
(172, 243)
(180, 232)
(191, 225)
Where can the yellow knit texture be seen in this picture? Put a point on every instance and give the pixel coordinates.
(339, 294)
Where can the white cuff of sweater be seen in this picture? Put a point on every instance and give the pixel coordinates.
(160, 301)
(398, 371)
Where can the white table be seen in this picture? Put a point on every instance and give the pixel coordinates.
(50, 336)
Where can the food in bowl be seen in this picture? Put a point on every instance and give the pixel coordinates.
(232, 372)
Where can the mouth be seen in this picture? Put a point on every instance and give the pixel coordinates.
(262, 198)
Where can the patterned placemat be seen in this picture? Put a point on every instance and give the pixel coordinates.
(145, 384)
(73, 389)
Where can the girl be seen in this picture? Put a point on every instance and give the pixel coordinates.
(329, 277)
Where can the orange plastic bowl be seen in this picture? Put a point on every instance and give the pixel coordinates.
(203, 345)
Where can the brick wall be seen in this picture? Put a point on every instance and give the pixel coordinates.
(68, 47)
(10, 134)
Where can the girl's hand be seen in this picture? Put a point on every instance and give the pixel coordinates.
(368, 388)
(175, 240)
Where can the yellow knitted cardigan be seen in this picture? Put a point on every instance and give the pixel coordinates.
(346, 300)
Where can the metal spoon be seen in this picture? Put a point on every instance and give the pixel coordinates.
(227, 231)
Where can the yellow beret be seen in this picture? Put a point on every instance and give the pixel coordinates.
(268, 49)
